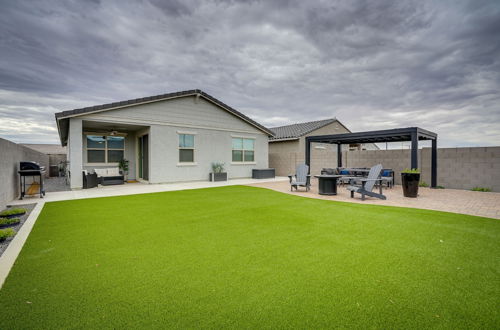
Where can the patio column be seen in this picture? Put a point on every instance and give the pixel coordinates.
(308, 153)
(434, 164)
(414, 150)
(75, 141)
(339, 155)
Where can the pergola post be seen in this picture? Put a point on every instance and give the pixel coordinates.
(434, 164)
(308, 153)
(339, 155)
(414, 150)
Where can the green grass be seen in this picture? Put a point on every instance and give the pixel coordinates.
(6, 233)
(483, 189)
(14, 211)
(243, 257)
(9, 221)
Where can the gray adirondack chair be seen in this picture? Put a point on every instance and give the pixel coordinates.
(301, 178)
(367, 184)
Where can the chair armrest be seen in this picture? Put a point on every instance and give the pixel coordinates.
(290, 177)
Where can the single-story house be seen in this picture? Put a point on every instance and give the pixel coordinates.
(166, 138)
(287, 146)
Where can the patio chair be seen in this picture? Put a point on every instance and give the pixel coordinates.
(367, 184)
(388, 177)
(89, 180)
(301, 178)
(347, 176)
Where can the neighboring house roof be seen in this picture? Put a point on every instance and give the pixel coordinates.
(48, 149)
(295, 131)
(62, 118)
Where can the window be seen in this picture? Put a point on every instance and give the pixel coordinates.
(105, 149)
(186, 148)
(243, 150)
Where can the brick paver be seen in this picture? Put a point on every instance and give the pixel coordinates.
(484, 204)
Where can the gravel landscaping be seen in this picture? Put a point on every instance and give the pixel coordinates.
(17, 227)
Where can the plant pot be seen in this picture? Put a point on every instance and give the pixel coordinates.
(218, 176)
(410, 183)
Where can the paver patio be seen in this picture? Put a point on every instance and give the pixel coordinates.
(484, 204)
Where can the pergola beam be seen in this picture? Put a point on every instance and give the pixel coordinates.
(412, 134)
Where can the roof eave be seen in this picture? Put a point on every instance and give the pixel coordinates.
(284, 139)
(67, 114)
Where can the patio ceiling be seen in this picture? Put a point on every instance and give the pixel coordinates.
(107, 127)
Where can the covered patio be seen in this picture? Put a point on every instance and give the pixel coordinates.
(413, 134)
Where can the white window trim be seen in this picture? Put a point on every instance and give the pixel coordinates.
(188, 164)
(193, 163)
(186, 132)
(105, 163)
(243, 136)
(243, 162)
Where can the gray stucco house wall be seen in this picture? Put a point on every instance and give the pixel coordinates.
(163, 118)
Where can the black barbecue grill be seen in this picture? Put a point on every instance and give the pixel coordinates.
(32, 169)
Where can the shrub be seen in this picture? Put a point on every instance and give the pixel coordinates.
(413, 170)
(423, 184)
(481, 189)
(9, 221)
(439, 187)
(218, 167)
(6, 233)
(14, 211)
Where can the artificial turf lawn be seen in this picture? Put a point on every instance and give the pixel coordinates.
(244, 257)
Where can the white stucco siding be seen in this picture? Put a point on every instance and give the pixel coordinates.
(75, 155)
(210, 146)
(184, 111)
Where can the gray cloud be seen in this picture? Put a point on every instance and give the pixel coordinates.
(372, 64)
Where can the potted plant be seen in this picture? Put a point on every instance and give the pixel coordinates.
(410, 179)
(123, 165)
(218, 173)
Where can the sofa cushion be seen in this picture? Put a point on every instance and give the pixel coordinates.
(114, 171)
(101, 171)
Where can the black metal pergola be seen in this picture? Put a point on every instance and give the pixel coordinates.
(413, 134)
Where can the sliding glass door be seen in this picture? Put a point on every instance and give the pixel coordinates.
(143, 157)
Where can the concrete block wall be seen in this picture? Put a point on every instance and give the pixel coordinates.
(465, 168)
(458, 168)
(398, 160)
(10, 156)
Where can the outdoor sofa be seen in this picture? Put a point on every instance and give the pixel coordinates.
(109, 176)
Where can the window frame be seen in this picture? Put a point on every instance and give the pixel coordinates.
(193, 148)
(243, 162)
(105, 149)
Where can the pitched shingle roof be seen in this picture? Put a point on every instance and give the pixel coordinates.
(63, 116)
(294, 131)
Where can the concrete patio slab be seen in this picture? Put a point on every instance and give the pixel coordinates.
(138, 188)
(484, 204)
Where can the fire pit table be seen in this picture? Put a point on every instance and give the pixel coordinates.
(327, 184)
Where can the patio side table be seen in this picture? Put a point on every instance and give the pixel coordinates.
(327, 184)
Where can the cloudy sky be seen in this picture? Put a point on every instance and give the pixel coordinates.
(372, 64)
